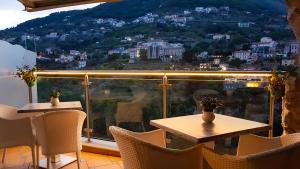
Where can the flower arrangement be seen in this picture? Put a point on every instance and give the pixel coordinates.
(55, 94)
(27, 74)
(209, 103)
(277, 85)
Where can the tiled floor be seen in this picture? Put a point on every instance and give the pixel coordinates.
(20, 158)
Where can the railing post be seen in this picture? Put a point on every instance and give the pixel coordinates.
(271, 114)
(165, 86)
(88, 130)
(30, 94)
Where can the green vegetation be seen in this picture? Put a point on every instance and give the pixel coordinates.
(143, 54)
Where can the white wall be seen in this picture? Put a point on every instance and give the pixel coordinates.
(14, 91)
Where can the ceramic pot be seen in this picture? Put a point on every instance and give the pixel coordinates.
(208, 117)
(54, 101)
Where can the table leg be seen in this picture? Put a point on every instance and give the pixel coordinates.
(57, 161)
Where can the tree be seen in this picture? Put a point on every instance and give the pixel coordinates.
(236, 63)
(143, 54)
(189, 56)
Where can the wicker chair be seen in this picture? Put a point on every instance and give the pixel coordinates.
(16, 130)
(148, 151)
(256, 152)
(59, 133)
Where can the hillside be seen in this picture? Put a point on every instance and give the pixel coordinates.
(130, 9)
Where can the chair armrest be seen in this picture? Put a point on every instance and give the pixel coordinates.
(155, 137)
(162, 158)
(16, 132)
(217, 161)
(252, 144)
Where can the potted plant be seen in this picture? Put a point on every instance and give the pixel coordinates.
(54, 98)
(293, 3)
(27, 74)
(277, 85)
(208, 105)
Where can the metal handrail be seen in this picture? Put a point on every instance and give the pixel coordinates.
(150, 73)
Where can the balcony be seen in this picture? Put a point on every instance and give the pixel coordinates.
(131, 99)
(106, 96)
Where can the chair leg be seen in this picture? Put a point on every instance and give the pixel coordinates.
(33, 157)
(37, 156)
(143, 126)
(78, 159)
(48, 162)
(3, 155)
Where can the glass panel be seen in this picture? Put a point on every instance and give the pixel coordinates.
(130, 104)
(71, 89)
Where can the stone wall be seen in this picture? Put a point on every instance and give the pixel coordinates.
(291, 101)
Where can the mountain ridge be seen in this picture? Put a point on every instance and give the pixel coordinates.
(130, 9)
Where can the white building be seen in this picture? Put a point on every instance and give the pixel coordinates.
(83, 56)
(158, 49)
(119, 24)
(244, 24)
(202, 55)
(265, 42)
(180, 20)
(242, 55)
(186, 12)
(132, 52)
(74, 52)
(65, 59)
(116, 51)
(174, 50)
(287, 62)
(100, 21)
(63, 37)
(211, 10)
(291, 47)
(217, 61)
(52, 35)
(199, 9)
(221, 36)
(81, 64)
(49, 51)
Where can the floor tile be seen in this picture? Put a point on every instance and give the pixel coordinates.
(20, 158)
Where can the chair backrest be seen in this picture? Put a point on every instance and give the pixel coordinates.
(286, 157)
(127, 146)
(60, 132)
(138, 154)
(290, 139)
(16, 132)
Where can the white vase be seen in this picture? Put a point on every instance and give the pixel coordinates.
(208, 117)
(54, 101)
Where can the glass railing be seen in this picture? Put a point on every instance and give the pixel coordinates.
(130, 99)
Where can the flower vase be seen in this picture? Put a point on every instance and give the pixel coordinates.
(208, 117)
(54, 101)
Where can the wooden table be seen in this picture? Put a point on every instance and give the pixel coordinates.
(46, 107)
(58, 161)
(194, 129)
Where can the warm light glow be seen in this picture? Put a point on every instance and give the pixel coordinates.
(121, 73)
(253, 84)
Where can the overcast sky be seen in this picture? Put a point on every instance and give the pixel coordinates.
(11, 13)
